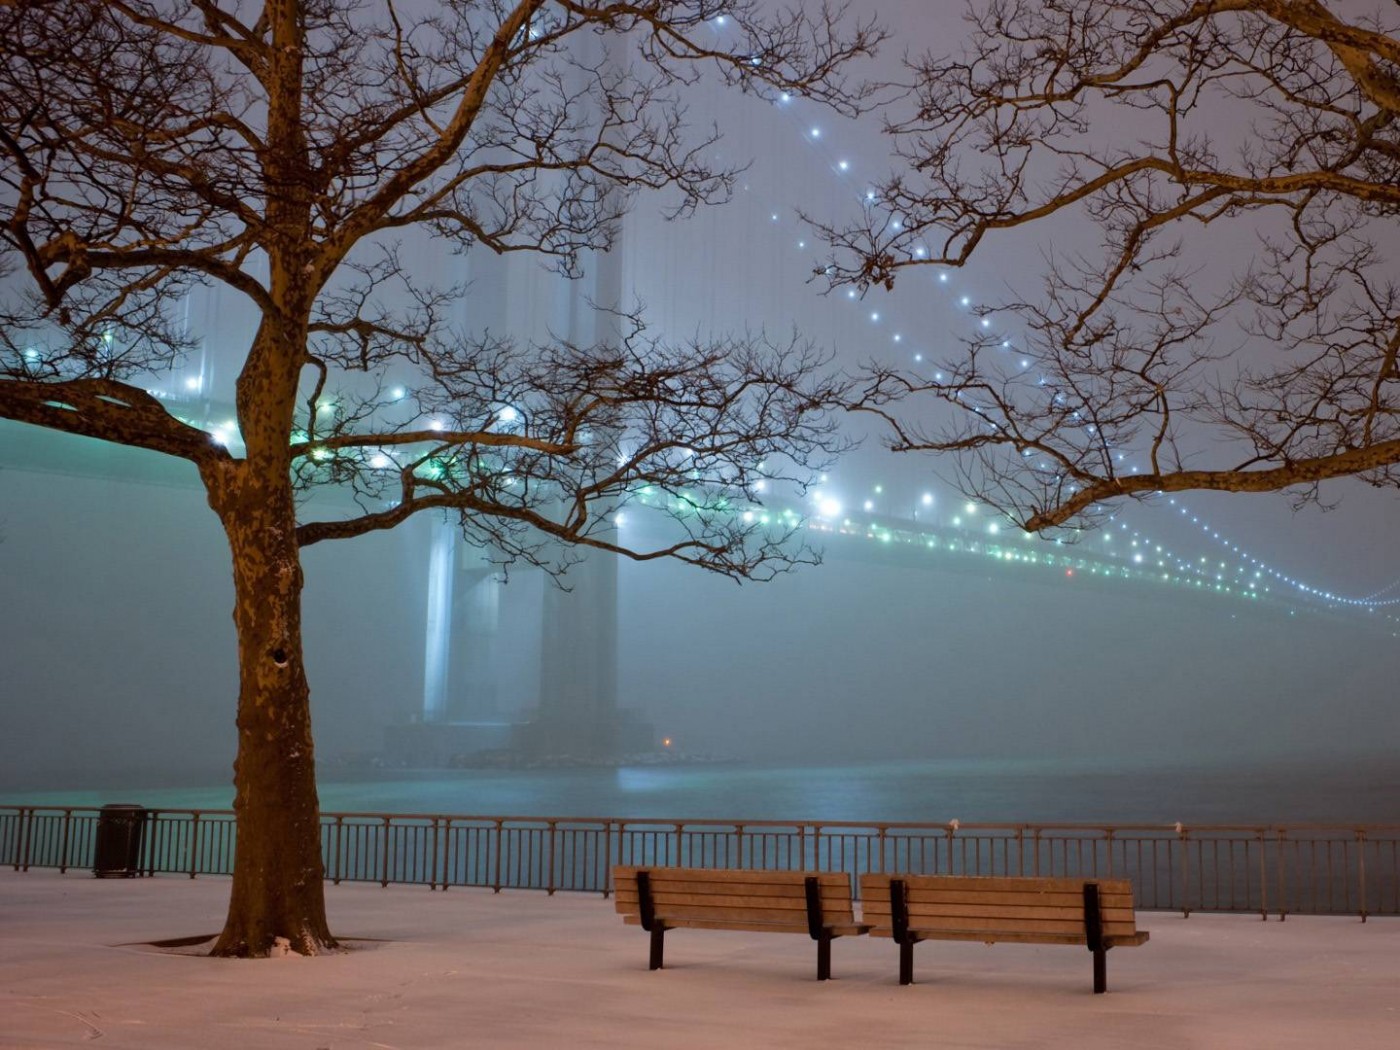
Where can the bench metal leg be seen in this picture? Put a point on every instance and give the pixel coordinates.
(658, 934)
(906, 963)
(824, 957)
(1093, 935)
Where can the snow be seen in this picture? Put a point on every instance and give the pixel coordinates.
(468, 968)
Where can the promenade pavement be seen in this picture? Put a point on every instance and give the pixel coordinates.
(469, 968)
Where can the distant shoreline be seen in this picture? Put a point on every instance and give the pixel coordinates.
(1286, 791)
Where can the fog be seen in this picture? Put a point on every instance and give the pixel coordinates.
(120, 663)
(118, 649)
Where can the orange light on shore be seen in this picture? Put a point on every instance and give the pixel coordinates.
(666, 742)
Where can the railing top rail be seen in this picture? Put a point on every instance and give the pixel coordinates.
(692, 823)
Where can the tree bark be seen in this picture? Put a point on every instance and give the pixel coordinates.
(278, 873)
(278, 876)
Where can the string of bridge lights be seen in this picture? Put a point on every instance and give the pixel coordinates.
(1254, 575)
(1142, 559)
(1249, 576)
(1370, 601)
(1384, 590)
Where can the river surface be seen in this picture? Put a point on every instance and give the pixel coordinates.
(1350, 791)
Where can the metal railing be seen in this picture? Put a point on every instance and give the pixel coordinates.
(1279, 869)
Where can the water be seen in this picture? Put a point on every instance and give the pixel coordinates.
(1346, 791)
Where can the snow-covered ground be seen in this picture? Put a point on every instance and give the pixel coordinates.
(468, 968)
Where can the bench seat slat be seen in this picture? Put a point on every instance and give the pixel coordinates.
(1012, 937)
(1121, 932)
(983, 936)
(1011, 911)
(918, 893)
(1002, 883)
(879, 904)
(718, 900)
(794, 908)
(702, 911)
(840, 930)
(699, 889)
(1001, 922)
(1073, 916)
(995, 924)
(661, 875)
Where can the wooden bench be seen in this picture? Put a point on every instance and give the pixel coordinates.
(815, 903)
(1097, 913)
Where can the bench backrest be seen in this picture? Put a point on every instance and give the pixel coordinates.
(1048, 907)
(727, 894)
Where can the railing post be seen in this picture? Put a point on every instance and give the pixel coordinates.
(194, 844)
(26, 836)
(1282, 876)
(500, 847)
(441, 846)
(455, 874)
(430, 860)
(607, 858)
(1183, 836)
(384, 853)
(1263, 875)
(1361, 868)
(63, 854)
(337, 836)
(150, 830)
(549, 856)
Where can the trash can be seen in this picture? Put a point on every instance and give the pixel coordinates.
(118, 851)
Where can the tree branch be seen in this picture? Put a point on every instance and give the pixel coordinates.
(110, 411)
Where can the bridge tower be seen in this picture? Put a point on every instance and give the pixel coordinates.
(577, 712)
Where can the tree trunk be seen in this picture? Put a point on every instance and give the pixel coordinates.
(277, 873)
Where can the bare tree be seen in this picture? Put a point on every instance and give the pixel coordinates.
(279, 150)
(1178, 130)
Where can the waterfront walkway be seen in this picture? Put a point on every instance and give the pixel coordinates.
(468, 968)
